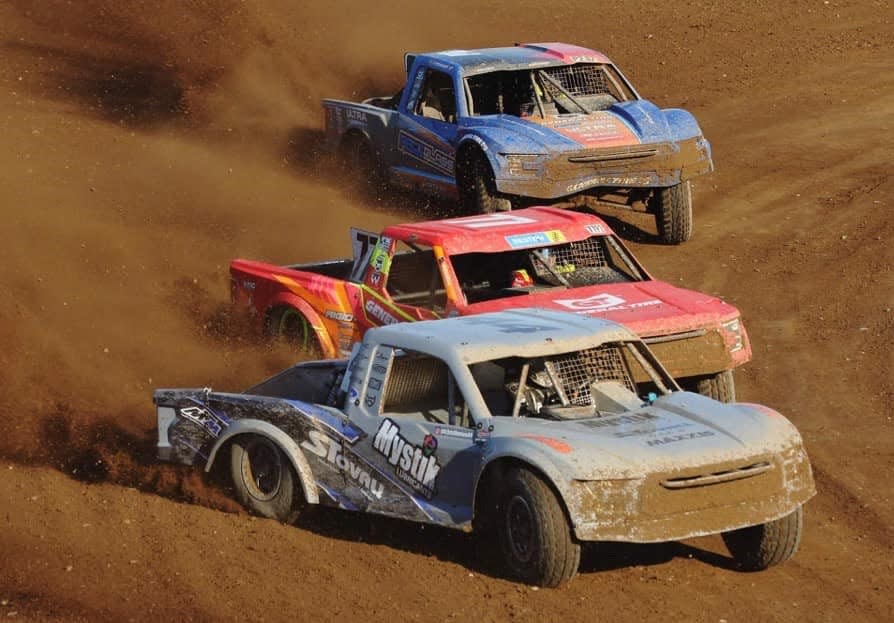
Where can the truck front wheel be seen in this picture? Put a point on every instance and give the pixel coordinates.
(534, 533)
(757, 547)
(673, 212)
(477, 188)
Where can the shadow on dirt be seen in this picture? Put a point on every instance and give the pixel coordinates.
(484, 557)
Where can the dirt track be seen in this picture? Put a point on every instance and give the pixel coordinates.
(142, 151)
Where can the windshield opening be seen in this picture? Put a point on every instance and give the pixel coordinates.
(594, 261)
(548, 91)
(609, 379)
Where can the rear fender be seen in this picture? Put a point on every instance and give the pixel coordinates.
(290, 300)
(288, 445)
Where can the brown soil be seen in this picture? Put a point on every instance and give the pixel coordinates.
(146, 146)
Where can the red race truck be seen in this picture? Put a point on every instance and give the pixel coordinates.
(536, 257)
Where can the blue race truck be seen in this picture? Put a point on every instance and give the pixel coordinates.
(535, 122)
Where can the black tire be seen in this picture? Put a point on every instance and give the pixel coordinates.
(534, 534)
(478, 190)
(264, 479)
(673, 213)
(364, 165)
(757, 547)
(720, 386)
(289, 324)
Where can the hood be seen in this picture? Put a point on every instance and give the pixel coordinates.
(622, 125)
(647, 307)
(678, 431)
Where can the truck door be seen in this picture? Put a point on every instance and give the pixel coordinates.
(427, 130)
(419, 436)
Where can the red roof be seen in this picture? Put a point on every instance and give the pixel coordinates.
(538, 226)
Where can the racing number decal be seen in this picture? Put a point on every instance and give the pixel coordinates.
(492, 220)
(363, 243)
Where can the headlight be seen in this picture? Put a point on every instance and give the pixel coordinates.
(735, 328)
(524, 165)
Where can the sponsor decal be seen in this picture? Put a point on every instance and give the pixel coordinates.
(355, 115)
(668, 439)
(417, 466)
(375, 278)
(593, 303)
(535, 239)
(429, 154)
(621, 420)
(204, 417)
(380, 260)
(573, 188)
(249, 285)
(595, 229)
(456, 433)
(339, 316)
(376, 311)
(487, 221)
(603, 303)
(429, 445)
(325, 447)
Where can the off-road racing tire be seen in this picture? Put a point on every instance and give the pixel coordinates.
(264, 479)
(757, 547)
(363, 164)
(673, 213)
(720, 386)
(289, 324)
(478, 190)
(534, 533)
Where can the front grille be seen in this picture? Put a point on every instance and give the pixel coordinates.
(713, 478)
(631, 153)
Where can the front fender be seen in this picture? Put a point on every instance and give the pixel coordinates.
(529, 453)
(286, 443)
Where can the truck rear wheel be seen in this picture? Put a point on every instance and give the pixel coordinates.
(263, 478)
(673, 213)
(534, 533)
(757, 547)
(363, 164)
(478, 190)
(289, 324)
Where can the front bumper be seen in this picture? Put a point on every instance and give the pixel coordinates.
(658, 508)
(650, 165)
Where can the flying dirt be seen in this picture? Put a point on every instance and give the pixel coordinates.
(146, 146)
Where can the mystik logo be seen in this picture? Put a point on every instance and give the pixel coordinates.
(415, 465)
